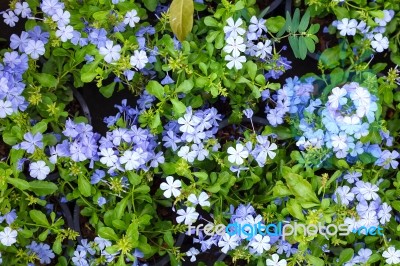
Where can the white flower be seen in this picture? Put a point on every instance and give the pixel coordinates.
(8, 236)
(264, 49)
(39, 170)
(110, 52)
(131, 159)
(189, 216)
(233, 29)
(202, 199)
(188, 121)
(131, 18)
(192, 254)
(171, 187)
(275, 261)
(234, 46)
(368, 191)
(259, 243)
(185, 153)
(237, 155)
(339, 141)
(361, 97)
(384, 213)
(228, 242)
(347, 27)
(108, 157)
(387, 17)
(65, 33)
(61, 17)
(5, 108)
(380, 43)
(257, 26)
(139, 59)
(391, 255)
(235, 61)
(337, 97)
(345, 196)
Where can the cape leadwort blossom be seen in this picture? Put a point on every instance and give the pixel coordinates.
(340, 124)
(171, 187)
(8, 236)
(42, 251)
(193, 134)
(391, 255)
(374, 34)
(39, 170)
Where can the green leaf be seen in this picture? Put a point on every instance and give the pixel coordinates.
(18, 183)
(181, 18)
(60, 52)
(396, 205)
(274, 24)
(295, 20)
(251, 69)
(185, 87)
(304, 21)
(46, 80)
(57, 247)
(302, 48)
(49, 140)
(101, 15)
(108, 90)
(337, 76)
(341, 12)
(84, 186)
(156, 121)
(108, 233)
(39, 127)
(133, 233)
(295, 209)
(134, 178)
(294, 44)
(150, 4)
(310, 44)
(169, 239)
(315, 261)
(120, 208)
(88, 71)
(374, 258)
(329, 57)
(300, 188)
(210, 21)
(39, 218)
(42, 188)
(156, 89)
(178, 106)
(345, 256)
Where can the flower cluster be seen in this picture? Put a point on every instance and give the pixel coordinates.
(193, 135)
(344, 120)
(238, 41)
(80, 146)
(379, 42)
(290, 99)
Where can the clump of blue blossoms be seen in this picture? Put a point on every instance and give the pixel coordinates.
(340, 125)
(193, 135)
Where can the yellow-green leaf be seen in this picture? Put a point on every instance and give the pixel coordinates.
(181, 18)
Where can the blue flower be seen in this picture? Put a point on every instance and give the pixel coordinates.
(43, 251)
(31, 142)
